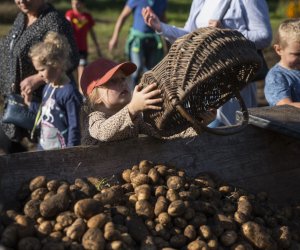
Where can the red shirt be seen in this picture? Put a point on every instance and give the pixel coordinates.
(81, 23)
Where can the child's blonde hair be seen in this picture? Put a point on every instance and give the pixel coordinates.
(288, 31)
(92, 99)
(53, 51)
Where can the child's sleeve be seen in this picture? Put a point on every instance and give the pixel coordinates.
(34, 106)
(73, 110)
(117, 127)
(276, 88)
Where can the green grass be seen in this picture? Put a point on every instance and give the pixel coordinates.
(106, 12)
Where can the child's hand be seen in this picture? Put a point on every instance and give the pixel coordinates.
(215, 23)
(27, 98)
(143, 99)
(151, 19)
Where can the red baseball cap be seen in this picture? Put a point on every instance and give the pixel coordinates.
(101, 71)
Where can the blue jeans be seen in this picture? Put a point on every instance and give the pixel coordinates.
(146, 58)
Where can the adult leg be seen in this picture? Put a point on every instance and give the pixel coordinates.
(137, 58)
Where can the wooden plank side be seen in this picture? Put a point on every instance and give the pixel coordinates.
(254, 159)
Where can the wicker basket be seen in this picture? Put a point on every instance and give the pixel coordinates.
(202, 70)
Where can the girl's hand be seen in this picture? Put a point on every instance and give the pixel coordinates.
(143, 99)
(215, 23)
(27, 98)
(31, 83)
(151, 19)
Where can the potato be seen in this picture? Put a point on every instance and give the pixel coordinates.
(76, 230)
(176, 208)
(144, 208)
(161, 169)
(257, 235)
(197, 245)
(198, 220)
(54, 205)
(225, 190)
(139, 179)
(110, 195)
(9, 237)
(180, 222)
(110, 232)
(56, 236)
(190, 232)
(213, 244)
(241, 246)
(49, 194)
(39, 193)
(160, 242)
(162, 231)
(25, 226)
(244, 210)
(172, 195)
(164, 218)
(66, 218)
(93, 239)
(148, 243)
(228, 238)
(175, 182)
(29, 243)
(178, 241)
(53, 185)
(38, 182)
(161, 191)
(97, 221)
(87, 208)
(127, 239)
(115, 245)
(284, 237)
(145, 166)
(136, 228)
(45, 228)
(76, 246)
(63, 188)
(161, 205)
(225, 221)
(205, 181)
(143, 192)
(205, 232)
(32, 209)
(126, 175)
(189, 213)
(154, 176)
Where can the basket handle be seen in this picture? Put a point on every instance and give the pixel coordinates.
(228, 130)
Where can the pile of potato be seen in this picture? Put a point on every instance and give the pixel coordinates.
(153, 207)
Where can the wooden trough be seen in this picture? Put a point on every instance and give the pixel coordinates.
(263, 157)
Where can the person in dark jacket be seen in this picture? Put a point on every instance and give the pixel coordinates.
(17, 74)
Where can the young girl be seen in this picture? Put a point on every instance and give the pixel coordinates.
(61, 101)
(282, 85)
(112, 113)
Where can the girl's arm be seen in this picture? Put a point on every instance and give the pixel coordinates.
(124, 124)
(73, 110)
(258, 28)
(119, 24)
(119, 126)
(171, 33)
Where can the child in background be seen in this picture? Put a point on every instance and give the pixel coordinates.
(282, 84)
(61, 101)
(82, 23)
(112, 113)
